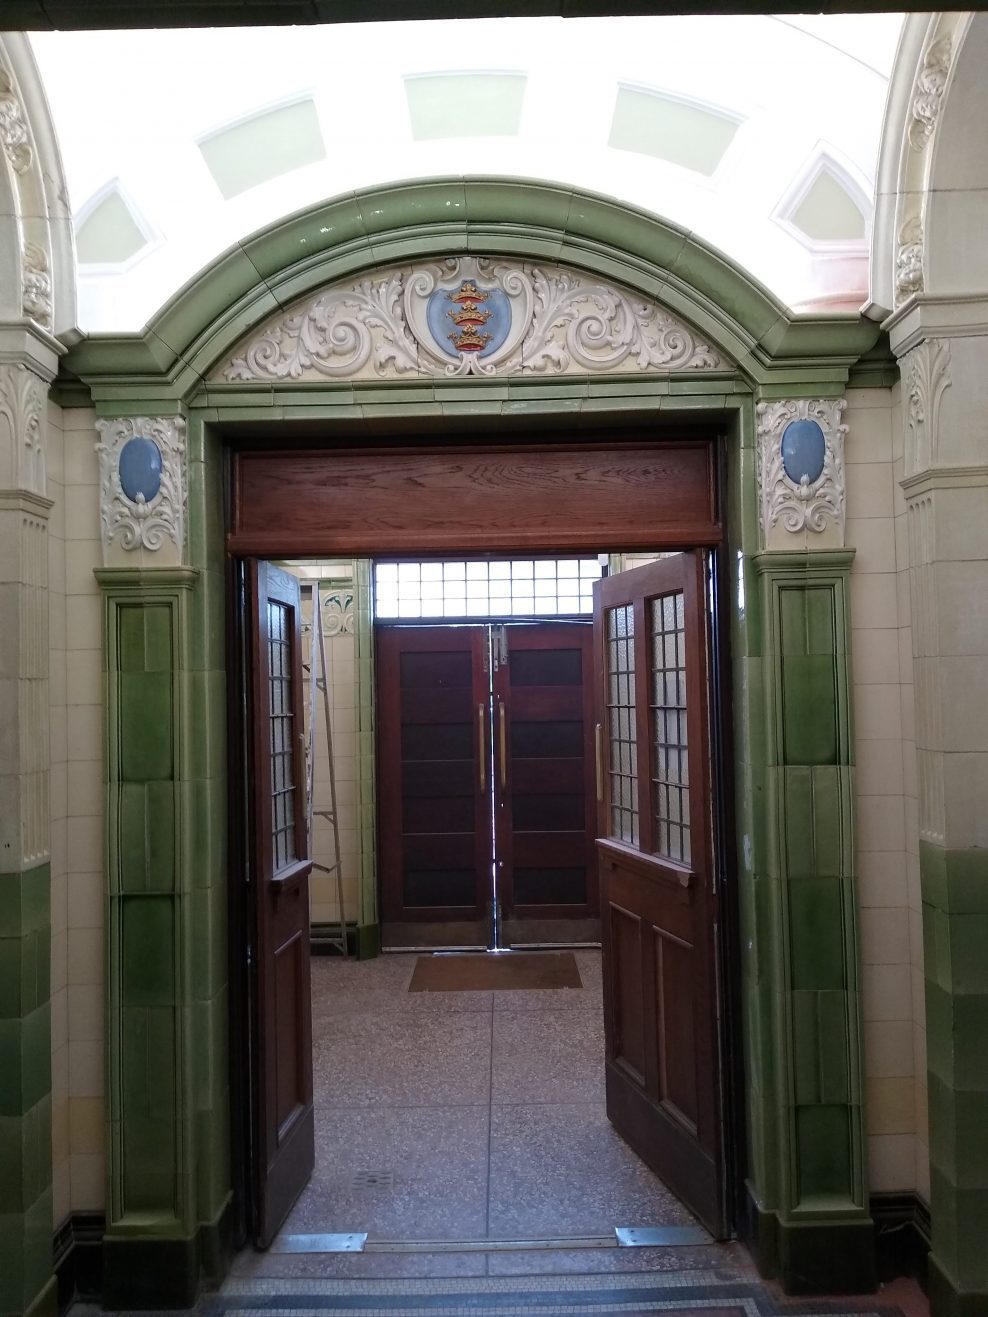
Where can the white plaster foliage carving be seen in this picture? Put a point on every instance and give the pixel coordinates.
(470, 316)
(784, 504)
(909, 259)
(927, 379)
(929, 92)
(156, 524)
(13, 127)
(337, 613)
(36, 285)
(22, 405)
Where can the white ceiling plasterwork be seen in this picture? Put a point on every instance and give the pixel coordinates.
(469, 315)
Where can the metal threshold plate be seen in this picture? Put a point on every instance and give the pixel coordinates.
(660, 1236)
(352, 1243)
(488, 1245)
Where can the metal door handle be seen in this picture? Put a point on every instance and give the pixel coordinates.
(598, 746)
(302, 771)
(482, 747)
(501, 744)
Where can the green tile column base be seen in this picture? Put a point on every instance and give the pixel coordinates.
(946, 1300)
(368, 941)
(46, 1304)
(143, 1271)
(814, 1257)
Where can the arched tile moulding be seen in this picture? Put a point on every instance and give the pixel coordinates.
(512, 302)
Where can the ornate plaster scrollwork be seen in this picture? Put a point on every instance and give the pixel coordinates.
(470, 316)
(152, 520)
(36, 285)
(927, 374)
(909, 259)
(22, 405)
(929, 92)
(14, 136)
(812, 505)
(337, 613)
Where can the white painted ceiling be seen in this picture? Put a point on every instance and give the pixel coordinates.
(760, 134)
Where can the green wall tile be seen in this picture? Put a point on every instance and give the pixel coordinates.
(809, 701)
(816, 933)
(150, 1158)
(823, 1144)
(35, 1056)
(146, 726)
(967, 880)
(147, 931)
(146, 828)
(820, 1048)
(968, 938)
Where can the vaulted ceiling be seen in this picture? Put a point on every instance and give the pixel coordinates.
(759, 133)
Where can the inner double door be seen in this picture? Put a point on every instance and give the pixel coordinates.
(486, 784)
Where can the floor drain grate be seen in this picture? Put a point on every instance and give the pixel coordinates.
(372, 1180)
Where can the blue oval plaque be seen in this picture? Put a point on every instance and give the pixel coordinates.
(140, 469)
(804, 450)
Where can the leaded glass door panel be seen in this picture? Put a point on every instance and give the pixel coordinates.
(656, 865)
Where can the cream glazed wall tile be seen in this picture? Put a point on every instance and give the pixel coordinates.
(910, 778)
(880, 805)
(340, 661)
(58, 802)
(84, 810)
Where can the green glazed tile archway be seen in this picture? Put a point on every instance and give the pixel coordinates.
(802, 1082)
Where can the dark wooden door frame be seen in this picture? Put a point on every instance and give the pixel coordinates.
(241, 550)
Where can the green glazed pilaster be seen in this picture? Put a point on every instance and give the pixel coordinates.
(803, 1011)
(27, 1284)
(168, 1164)
(955, 918)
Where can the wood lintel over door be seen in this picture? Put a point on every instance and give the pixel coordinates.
(565, 496)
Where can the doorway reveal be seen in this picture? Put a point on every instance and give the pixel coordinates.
(564, 496)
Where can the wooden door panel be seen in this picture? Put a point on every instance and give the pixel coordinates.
(289, 976)
(282, 1116)
(676, 1055)
(543, 701)
(434, 830)
(655, 860)
(624, 995)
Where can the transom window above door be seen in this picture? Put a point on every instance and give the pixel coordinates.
(488, 588)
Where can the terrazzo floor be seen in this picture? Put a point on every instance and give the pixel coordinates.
(466, 1115)
(479, 1116)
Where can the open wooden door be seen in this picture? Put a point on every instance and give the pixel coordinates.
(656, 870)
(282, 1115)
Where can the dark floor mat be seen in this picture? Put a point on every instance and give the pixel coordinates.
(477, 972)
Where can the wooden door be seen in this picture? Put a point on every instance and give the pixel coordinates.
(282, 1115)
(656, 872)
(434, 823)
(543, 703)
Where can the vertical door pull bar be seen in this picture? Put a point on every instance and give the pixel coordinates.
(501, 744)
(302, 772)
(482, 747)
(599, 760)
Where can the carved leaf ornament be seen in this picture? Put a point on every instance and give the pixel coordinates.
(470, 316)
(142, 486)
(807, 503)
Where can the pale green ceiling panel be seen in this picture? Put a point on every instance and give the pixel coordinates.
(828, 213)
(670, 129)
(109, 235)
(465, 104)
(264, 147)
